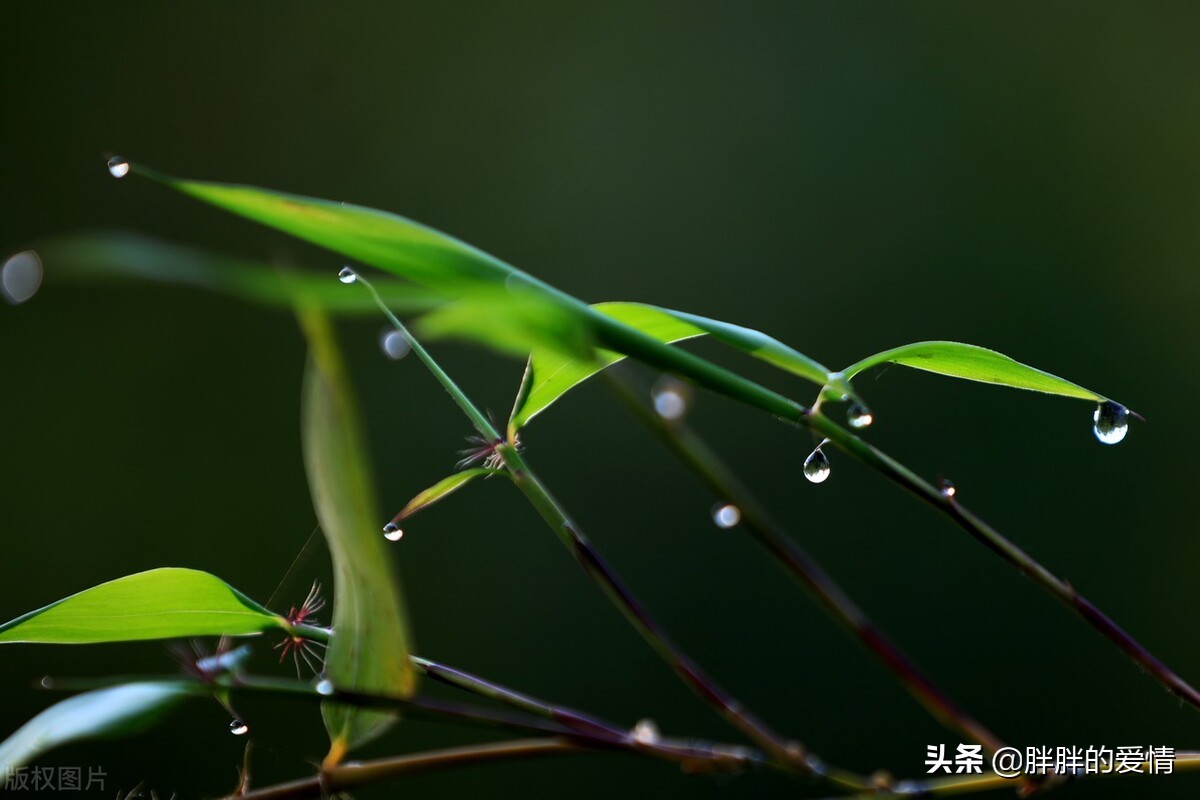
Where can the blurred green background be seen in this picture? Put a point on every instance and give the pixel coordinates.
(845, 176)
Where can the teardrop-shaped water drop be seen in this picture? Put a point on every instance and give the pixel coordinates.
(1110, 422)
(646, 732)
(393, 344)
(859, 416)
(671, 399)
(392, 532)
(726, 515)
(238, 728)
(816, 466)
(347, 275)
(948, 488)
(324, 687)
(118, 167)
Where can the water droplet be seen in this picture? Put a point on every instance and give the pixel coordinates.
(392, 532)
(118, 167)
(859, 416)
(21, 276)
(1110, 422)
(46, 682)
(393, 344)
(238, 728)
(347, 275)
(671, 398)
(726, 515)
(816, 466)
(324, 687)
(645, 732)
(948, 488)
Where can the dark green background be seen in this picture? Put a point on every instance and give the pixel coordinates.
(845, 176)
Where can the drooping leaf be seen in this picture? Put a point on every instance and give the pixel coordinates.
(444, 488)
(549, 375)
(369, 649)
(116, 255)
(116, 711)
(163, 603)
(974, 363)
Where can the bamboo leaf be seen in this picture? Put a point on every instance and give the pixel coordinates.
(388, 241)
(974, 363)
(99, 257)
(116, 711)
(370, 647)
(513, 323)
(444, 488)
(159, 604)
(549, 375)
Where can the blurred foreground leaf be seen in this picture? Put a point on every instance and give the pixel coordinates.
(116, 711)
(369, 648)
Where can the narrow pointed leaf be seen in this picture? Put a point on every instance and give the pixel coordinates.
(550, 375)
(387, 241)
(974, 363)
(444, 488)
(116, 711)
(163, 603)
(369, 649)
(115, 255)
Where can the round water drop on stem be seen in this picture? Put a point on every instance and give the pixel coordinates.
(726, 515)
(393, 344)
(392, 532)
(21, 276)
(948, 488)
(816, 466)
(1110, 422)
(859, 416)
(324, 687)
(347, 275)
(118, 167)
(238, 728)
(645, 732)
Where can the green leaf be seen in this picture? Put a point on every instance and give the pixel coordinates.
(160, 604)
(388, 241)
(120, 710)
(513, 323)
(974, 363)
(369, 649)
(444, 488)
(110, 256)
(549, 375)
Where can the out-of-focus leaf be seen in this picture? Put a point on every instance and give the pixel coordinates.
(974, 363)
(116, 711)
(369, 648)
(388, 241)
(163, 603)
(549, 375)
(444, 488)
(115, 255)
(514, 323)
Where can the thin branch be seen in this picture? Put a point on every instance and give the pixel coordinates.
(691, 448)
(1185, 761)
(787, 753)
(614, 336)
(351, 776)
(695, 756)
(995, 541)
